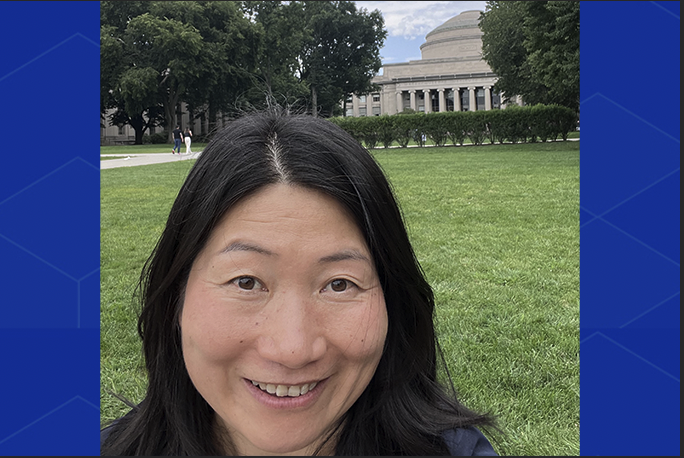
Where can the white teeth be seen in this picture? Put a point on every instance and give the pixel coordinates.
(284, 390)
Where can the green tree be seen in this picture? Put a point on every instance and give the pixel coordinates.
(158, 54)
(280, 41)
(533, 47)
(227, 58)
(341, 53)
(131, 91)
(169, 48)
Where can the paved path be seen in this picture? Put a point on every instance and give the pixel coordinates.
(131, 160)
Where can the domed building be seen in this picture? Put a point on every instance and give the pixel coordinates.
(450, 76)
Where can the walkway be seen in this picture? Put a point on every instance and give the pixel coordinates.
(144, 159)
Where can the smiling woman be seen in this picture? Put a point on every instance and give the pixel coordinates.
(307, 319)
(284, 311)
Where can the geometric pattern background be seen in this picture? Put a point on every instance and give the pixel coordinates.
(50, 228)
(629, 228)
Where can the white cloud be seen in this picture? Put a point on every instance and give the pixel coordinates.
(415, 19)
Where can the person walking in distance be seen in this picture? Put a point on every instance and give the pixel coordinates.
(177, 137)
(187, 136)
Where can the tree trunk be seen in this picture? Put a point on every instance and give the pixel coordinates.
(138, 125)
(170, 115)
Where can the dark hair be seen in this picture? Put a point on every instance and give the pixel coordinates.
(404, 409)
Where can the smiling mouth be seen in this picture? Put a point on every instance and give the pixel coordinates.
(281, 391)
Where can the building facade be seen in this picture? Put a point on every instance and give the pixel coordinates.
(450, 76)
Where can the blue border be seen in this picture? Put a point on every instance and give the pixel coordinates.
(629, 228)
(49, 228)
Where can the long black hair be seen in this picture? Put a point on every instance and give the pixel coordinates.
(404, 410)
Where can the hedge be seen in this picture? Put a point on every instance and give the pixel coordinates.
(513, 124)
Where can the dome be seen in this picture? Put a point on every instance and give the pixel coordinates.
(466, 20)
(458, 37)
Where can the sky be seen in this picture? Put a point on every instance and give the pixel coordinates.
(407, 23)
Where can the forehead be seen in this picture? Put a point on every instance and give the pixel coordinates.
(283, 213)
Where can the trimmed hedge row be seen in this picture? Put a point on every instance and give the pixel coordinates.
(514, 124)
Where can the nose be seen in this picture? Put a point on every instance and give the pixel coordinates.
(291, 334)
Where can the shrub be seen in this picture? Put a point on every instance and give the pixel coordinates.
(156, 138)
(496, 126)
(418, 123)
(386, 130)
(437, 128)
(476, 126)
(456, 127)
(514, 124)
(403, 125)
(369, 129)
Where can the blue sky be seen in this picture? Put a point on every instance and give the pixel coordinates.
(407, 23)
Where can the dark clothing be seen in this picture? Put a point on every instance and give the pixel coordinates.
(459, 441)
(467, 442)
(177, 133)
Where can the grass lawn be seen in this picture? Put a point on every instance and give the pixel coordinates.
(127, 150)
(496, 229)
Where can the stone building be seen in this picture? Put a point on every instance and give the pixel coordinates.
(450, 76)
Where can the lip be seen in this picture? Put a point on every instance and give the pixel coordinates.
(285, 402)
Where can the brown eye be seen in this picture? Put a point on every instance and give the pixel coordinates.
(338, 285)
(246, 282)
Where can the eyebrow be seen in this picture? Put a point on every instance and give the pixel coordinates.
(243, 246)
(344, 255)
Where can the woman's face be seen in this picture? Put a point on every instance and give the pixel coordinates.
(284, 320)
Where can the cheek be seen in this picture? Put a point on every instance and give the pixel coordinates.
(209, 332)
(362, 338)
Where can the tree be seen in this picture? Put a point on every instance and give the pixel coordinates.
(162, 53)
(227, 59)
(533, 47)
(341, 52)
(280, 40)
(168, 48)
(130, 91)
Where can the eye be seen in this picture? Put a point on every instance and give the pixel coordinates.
(339, 285)
(247, 283)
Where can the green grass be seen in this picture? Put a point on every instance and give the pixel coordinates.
(496, 229)
(127, 150)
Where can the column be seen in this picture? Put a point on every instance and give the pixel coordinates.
(457, 98)
(355, 106)
(442, 100)
(488, 97)
(427, 99)
(473, 100)
(413, 100)
(400, 102)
